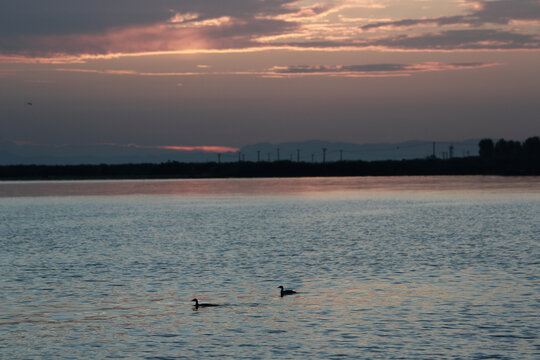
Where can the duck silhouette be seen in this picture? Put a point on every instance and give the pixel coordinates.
(286, 292)
(197, 305)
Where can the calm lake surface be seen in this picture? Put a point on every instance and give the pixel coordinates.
(385, 268)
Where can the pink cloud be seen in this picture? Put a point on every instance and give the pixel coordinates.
(127, 72)
(216, 149)
(363, 70)
(279, 24)
(205, 148)
(211, 34)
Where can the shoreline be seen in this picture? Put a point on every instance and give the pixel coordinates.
(278, 169)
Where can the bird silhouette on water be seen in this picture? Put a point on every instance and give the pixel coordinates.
(286, 292)
(197, 305)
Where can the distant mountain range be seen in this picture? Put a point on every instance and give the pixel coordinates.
(13, 154)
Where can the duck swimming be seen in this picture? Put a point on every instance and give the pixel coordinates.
(286, 292)
(197, 305)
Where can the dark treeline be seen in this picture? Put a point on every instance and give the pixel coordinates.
(496, 158)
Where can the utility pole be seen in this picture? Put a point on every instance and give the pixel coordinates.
(297, 155)
(312, 157)
(277, 154)
(258, 155)
(219, 158)
(243, 157)
(239, 156)
(451, 151)
(340, 155)
(323, 155)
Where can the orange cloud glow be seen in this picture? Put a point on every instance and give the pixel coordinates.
(216, 149)
(205, 148)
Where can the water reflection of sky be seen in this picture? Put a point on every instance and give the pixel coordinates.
(307, 187)
(412, 274)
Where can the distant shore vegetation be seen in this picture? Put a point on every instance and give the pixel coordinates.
(501, 157)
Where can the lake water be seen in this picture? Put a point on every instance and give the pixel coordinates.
(385, 268)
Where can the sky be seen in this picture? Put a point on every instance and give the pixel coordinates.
(223, 74)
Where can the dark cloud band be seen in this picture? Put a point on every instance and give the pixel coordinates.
(381, 69)
(63, 17)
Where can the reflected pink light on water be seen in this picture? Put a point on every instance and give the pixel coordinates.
(304, 187)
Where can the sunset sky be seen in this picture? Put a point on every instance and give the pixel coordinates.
(234, 72)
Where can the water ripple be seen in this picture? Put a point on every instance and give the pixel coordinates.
(392, 276)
